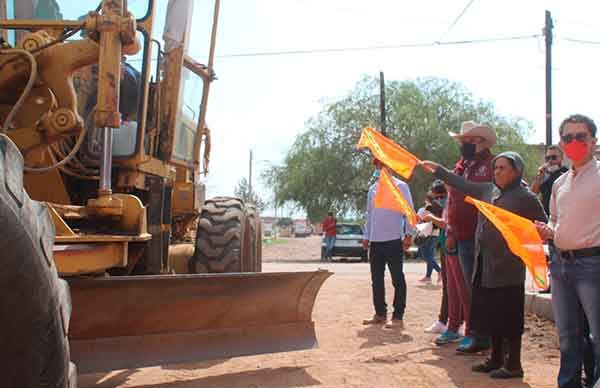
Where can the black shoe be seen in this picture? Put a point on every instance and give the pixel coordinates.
(486, 367)
(504, 373)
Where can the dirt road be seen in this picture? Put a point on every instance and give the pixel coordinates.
(350, 354)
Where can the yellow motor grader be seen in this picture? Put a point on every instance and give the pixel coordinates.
(103, 144)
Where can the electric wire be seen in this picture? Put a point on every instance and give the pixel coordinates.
(457, 19)
(582, 41)
(382, 47)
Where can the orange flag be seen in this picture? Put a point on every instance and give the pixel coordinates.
(388, 152)
(521, 236)
(389, 196)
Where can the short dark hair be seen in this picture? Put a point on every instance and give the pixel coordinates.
(554, 148)
(438, 187)
(329, 213)
(577, 119)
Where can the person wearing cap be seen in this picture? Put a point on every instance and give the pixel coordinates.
(498, 300)
(386, 235)
(574, 228)
(475, 165)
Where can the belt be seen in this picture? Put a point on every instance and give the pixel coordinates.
(577, 253)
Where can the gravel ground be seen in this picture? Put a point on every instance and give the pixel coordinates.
(350, 354)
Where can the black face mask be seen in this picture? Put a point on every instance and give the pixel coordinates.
(467, 150)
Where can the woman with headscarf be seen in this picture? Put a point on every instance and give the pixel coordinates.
(497, 307)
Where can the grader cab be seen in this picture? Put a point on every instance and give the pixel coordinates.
(103, 146)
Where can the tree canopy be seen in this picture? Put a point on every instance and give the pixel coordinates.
(242, 190)
(323, 171)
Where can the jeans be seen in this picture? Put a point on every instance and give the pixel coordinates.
(466, 255)
(329, 244)
(428, 253)
(575, 287)
(390, 253)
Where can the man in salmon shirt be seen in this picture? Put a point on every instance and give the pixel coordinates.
(329, 225)
(475, 165)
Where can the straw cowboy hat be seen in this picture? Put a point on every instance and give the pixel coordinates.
(471, 128)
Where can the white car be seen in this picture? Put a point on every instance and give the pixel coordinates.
(348, 242)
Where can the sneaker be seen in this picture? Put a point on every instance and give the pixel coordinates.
(438, 280)
(395, 324)
(467, 342)
(436, 328)
(462, 329)
(425, 279)
(376, 320)
(474, 345)
(447, 337)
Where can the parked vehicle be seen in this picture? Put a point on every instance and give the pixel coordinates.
(302, 229)
(348, 242)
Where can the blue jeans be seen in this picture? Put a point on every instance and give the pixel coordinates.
(428, 253)
(390, 253)
(466, 256)
(575, 287)
(329, 243)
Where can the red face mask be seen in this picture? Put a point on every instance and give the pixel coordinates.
(576, 150)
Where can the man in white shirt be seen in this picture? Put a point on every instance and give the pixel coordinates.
(574, 227)
(386, 236)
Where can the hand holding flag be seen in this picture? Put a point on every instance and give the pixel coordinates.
(521, 236)
(388, 152)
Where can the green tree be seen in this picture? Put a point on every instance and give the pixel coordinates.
(323, 171)
(242, 190)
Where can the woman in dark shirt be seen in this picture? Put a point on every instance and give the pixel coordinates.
(497, 307)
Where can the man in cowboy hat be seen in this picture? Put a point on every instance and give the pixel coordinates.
(475, 165)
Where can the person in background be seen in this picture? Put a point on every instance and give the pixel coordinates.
(498, 301)
(329, 229)
(574, 234)
(430, 243)
(386, 235)
(438, 190)
(547, 174)
(475, 165)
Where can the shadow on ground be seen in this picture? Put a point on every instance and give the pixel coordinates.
(458, 367)
(377, 335)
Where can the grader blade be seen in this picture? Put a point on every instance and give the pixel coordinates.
(137, 321)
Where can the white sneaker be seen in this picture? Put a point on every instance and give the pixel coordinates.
(436, 328)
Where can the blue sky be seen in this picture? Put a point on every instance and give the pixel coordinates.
(262, 102)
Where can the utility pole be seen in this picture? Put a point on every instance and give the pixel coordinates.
(250, 176)
(382, 102)
(548, 26)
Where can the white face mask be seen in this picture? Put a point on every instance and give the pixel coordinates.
(552, 168)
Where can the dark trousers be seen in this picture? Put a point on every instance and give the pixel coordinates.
(390, 253)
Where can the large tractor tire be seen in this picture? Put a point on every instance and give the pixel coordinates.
(35, 304)
(253, 216)
(226, 238)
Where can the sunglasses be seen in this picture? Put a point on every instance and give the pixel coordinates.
(551, 157)
(580, 137)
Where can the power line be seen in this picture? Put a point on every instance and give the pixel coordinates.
(580, 41)
(382, 47)
(455, 22)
